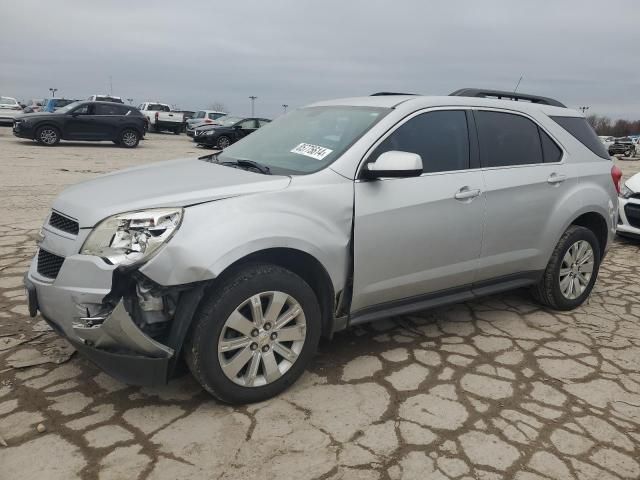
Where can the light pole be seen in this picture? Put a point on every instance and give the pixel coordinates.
(253, 99)
(284, 108)
(130, 100)
(53, 92)
(584, 109)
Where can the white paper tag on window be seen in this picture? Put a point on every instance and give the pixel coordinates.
(314, 151)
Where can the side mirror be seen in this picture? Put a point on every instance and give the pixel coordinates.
(394, 164)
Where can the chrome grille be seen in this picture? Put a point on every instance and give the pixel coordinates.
(49, 264)
(63, 223)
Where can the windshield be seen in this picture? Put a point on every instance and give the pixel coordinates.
(8, 101)
(69, 107)
(158, 107)
(305, 140)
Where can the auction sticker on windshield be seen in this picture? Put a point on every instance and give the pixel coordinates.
(313, 151)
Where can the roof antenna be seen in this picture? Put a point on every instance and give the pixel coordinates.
(518, 84)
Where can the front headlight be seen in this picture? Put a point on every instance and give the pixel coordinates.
(132, 237)
(626, 192)
(210, 132)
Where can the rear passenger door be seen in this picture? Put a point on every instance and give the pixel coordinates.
(525, 180)
(422, 235)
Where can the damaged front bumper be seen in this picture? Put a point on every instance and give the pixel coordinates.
(102, 330)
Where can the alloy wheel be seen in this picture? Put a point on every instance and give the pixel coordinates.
(223, 142)
(576, 269)
(129, 138)
(48, 136)
(262, 339)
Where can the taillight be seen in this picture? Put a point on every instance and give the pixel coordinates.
(207, 120)
(616, 176)
(157, 115)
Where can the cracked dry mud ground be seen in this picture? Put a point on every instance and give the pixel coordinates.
(494, 389)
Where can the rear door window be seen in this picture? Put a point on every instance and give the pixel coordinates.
(580, 129)
(106, 109)
(507, 139)
(441, 138)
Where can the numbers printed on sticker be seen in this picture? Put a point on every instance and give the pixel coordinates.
(314, 151)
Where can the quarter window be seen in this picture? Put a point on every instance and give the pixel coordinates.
(551, 151)
(583, 132)
(507, 139)
(441, 139)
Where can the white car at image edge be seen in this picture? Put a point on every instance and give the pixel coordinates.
(629, 208)
(9, 109)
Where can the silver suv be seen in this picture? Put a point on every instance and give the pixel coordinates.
(336, 214)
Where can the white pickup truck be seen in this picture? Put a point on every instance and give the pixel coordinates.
(161, 117)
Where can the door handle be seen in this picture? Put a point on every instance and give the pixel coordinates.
(465, 193)
(555, 178)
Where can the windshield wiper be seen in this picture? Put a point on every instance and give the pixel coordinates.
(241, 162)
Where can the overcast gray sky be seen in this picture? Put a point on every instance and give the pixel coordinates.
(583, 52)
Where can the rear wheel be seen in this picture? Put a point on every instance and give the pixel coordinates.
(128, 138)
(571, 271)
(48, 136)
(254, 334)
(627, 153)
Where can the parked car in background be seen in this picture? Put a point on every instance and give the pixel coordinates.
(622, 146)
(9, 109)
(54, 104)
(160, 117)
(334, 215)
(124, 125)
(35, 105)
(228, 131)
(105, 98)
(203, 117)
(629, 208)
(606, 140)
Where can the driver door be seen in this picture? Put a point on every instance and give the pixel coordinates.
(80, 123)
(422, 236)
(244, 128)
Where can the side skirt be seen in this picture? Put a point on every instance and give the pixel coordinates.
(442, 297)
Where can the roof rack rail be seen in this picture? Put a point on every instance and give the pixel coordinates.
(503, 94)
(383, 94)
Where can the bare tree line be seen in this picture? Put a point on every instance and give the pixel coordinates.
(618, 128)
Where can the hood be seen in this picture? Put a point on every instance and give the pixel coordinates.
(634, 183)
(176, 183)
(39, 114)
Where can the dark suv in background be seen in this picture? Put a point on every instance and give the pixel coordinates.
(124, 125)
(622, 145)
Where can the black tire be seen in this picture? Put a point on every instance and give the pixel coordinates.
(48, 135)
(177, 131)
(223, 142)
(219, 303)
(548, 291)
(128, 138)
(627, 153)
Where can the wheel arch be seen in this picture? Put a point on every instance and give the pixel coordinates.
(597, 224)
(303, 264)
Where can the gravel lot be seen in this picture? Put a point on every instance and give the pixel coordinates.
(495, 389)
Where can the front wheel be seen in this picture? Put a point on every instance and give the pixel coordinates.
(223, 142)
(254, 334)
(129, 138)
(571, 271)
(627, 153)
(48, 136)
